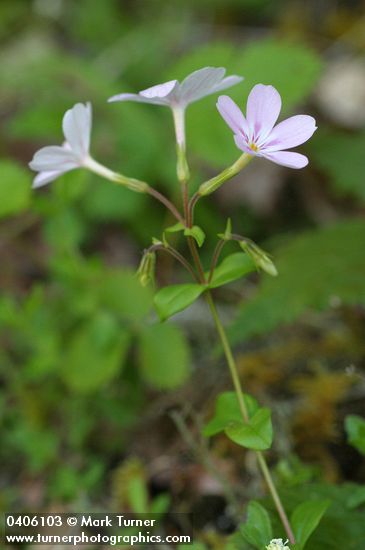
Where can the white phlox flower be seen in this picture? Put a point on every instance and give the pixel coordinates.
(178, 96)
(54, 160)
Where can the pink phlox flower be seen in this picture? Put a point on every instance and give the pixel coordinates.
(174, 94)
(55, 160)
(256, 134)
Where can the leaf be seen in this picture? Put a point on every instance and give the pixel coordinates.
(355, 429)
(256, 434)
(341, 156)
(160, 504)
(339, 528)
(232, 267)
(94, 354)
(305, 519)
(175, 228)
(15, 188)
(174, 298)
(197, 233)
(315, 269)
(257, 530)
(164, 356)
(357, 497)
(227, 410)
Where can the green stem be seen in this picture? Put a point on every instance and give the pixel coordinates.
(211, 185)
(205, 189)
(175, 254)
(133, 184)
(229, 356)
(238, 388)
(215, 258)
(165, 201)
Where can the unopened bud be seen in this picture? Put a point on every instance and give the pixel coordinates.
(146, 270)
(261, 258)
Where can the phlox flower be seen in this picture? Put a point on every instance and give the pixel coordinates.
(256, 134)
(55, 160)
(178, 95)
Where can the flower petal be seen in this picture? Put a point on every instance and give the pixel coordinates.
(138, 99)
(161, 94)
(286, 158)
(53, 158)
(291, 132)
(46, 177)
(241, 143)
(195, 86)
(232, 114)
(77, 128)
(227, 82)
(200, 83)
(263, 109)
(160, 90)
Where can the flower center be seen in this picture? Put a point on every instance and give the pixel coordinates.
(254, 147)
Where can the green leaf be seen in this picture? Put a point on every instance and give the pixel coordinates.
(257, 530)
(160, 504)
(315, 269)
(121, 292)
(355, 429)
(197, 233)
(171, 299)
(94, 354)
(232, 267)
(15, 188)
(164, 356)
(305, 519)
(228, 410)
(175, 228)
(357, 497)
(256, 434)
(341, 156)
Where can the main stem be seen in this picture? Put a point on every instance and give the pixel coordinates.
(238, 388)
(189, 220)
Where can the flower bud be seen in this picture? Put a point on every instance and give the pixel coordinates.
(261, 259)
(146, 270)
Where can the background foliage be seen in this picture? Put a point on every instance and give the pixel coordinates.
(93, 387)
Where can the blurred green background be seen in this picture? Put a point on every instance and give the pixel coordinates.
(88, 377)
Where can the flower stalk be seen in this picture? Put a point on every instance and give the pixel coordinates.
(131, 183)
(214, 183)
